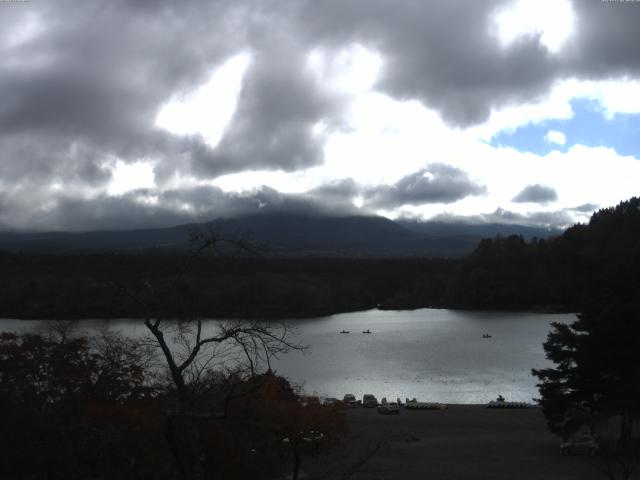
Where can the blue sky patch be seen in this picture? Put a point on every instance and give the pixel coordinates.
(588, 126)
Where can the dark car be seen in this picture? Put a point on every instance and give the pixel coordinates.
(350, 399)
(389, 409)
(369, 401)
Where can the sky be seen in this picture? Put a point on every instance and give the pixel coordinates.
(119, 114)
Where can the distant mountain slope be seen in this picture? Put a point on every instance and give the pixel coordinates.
(456, 229)
(288, 234)
(98, 240)
(322, 233)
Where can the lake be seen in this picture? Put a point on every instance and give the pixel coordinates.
(434, 355)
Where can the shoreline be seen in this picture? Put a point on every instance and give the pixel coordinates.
(294, 315)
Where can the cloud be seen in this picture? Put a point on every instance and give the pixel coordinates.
(442, 54)
(547, 219)
(449, 54)
(161, 208)
(437, 183)
(605, 32)
(279, 107)
(339, 194)
(75, 86)
(554, 136)
(66, 209)
(79, 99)
(82, 95)
(585, 208)
(536, 194)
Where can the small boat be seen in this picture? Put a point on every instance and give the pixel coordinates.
(486, 335)
(344, 331)
(366, 331)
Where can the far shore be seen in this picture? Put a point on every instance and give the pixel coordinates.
(290, 315)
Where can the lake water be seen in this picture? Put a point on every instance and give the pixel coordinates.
(434, 355)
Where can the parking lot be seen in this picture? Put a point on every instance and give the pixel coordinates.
(461, 442)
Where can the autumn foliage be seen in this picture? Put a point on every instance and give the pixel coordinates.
(79, 408)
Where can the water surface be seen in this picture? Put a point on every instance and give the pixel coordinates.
(434, 355)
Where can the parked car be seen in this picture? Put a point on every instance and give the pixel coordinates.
(350, 399)
(388, 409)
(329, 401)
(583, 444)
(369, 401)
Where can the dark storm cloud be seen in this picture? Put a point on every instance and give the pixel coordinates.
(98, 72)
(441, 53)
(445, 54)
(68, 209)
(41, 159)
(606, 40)
(437, 183)
(279, 105)
(536, 194)
(152, 208)
(91, 83)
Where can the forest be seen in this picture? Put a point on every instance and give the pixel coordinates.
(506, 272)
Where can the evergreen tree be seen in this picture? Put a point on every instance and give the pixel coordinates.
(596, 381)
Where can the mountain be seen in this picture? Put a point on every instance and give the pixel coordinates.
(460, 229)
(174, 237)
(288, 234)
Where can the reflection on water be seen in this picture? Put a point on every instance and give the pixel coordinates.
(435, 355)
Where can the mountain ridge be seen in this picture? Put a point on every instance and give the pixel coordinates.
(289, 234)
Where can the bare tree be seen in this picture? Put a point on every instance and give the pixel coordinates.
(191, 347)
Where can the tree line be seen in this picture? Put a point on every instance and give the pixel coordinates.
(556, 274)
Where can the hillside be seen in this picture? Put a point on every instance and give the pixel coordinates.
(286, 235)
(586, 263)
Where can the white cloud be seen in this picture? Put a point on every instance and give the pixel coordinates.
(386, 140)
(552, 20)
(207, 110)
(127, 177)
(554, 136)
(620, 96)
(616, 96)
(29, 27)
(353, 69)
